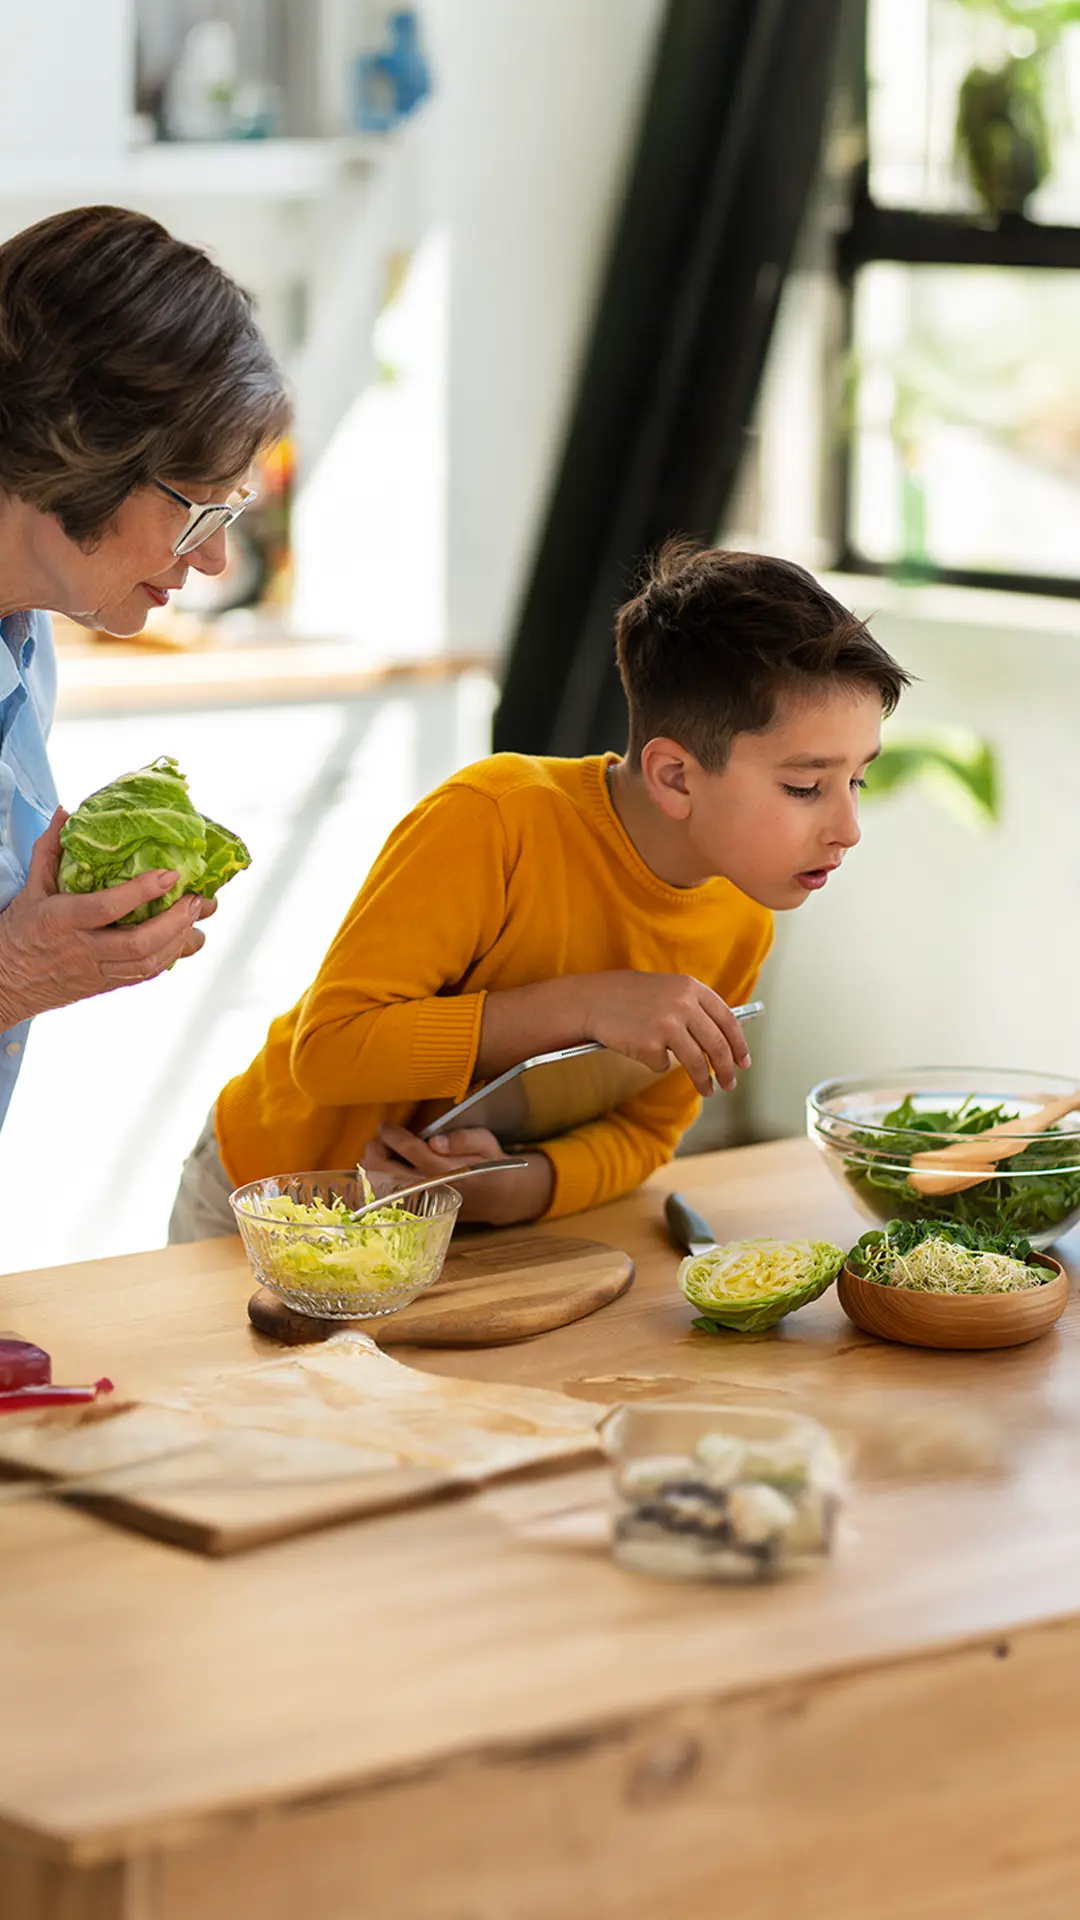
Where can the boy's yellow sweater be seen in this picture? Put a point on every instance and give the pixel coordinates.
(515, 871)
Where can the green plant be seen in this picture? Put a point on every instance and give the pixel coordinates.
(1003, 132)
(1044, 19)
(951, 764)
(1002, 122)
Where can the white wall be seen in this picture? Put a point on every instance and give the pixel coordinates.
(371, 383)
(542, 100)
(66, 75)
(934, 946)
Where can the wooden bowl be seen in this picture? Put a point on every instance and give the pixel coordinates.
(973, 1320)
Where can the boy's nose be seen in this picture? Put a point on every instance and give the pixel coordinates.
(846, 830)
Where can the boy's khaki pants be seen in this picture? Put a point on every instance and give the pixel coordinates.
(201, 1210)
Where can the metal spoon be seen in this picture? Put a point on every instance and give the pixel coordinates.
(439, 1180)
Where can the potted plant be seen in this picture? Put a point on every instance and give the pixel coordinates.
(1002, 121)
(951, 764)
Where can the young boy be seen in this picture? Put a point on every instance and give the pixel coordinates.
(530, 904)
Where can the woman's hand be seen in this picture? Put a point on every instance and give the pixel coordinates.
(56, 948)
(499, 1199)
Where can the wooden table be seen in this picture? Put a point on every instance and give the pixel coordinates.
(456, 1714)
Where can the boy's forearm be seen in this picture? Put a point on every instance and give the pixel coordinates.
(421, 1049)
(521, 1021)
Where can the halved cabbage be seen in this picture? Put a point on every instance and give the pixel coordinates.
(747, 1286)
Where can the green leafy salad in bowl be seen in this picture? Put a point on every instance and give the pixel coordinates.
(307, 1239)
(142, 821)
(870, 1128)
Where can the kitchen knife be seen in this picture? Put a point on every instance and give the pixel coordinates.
(688, 1230)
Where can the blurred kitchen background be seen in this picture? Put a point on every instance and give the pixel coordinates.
(551, 279)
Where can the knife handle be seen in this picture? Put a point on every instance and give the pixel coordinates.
(685, 1225)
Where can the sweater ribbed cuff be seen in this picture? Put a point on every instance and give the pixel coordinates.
(445, 1043)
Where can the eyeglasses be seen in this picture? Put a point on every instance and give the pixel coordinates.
(205, 521)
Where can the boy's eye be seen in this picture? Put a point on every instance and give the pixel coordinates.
(861, 784)
(802, 793)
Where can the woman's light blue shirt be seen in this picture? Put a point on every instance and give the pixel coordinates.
(27, 793)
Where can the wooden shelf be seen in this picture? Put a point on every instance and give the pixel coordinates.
(113, 677)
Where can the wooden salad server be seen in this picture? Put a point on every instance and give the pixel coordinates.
(931, 1171)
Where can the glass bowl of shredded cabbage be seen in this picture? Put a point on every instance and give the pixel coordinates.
(870, 1127)
(306, 1240)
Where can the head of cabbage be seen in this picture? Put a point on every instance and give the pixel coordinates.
(141, 821)
(748, 1285)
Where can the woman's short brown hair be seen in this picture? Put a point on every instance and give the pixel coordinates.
(713, 641)
(125, 356)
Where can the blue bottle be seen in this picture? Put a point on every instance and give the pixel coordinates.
(390, 84)
(406, 62)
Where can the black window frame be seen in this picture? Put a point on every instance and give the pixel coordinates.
(910, 236)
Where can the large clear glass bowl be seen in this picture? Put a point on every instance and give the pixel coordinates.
(344, 1272)
(853, 1121)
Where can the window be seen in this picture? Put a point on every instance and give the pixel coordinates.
(961, 275)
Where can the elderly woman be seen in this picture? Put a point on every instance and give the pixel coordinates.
(135, 390)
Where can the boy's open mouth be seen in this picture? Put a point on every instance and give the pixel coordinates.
(816, 877)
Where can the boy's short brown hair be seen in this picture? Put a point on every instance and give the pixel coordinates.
(126, 356)
(712, 641)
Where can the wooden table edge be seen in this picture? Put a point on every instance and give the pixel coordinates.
(108, 1844)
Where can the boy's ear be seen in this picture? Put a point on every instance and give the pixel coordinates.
(667, 770)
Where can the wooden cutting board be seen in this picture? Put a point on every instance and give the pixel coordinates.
(260, 1452)
(486, 1296)
(223, 1492)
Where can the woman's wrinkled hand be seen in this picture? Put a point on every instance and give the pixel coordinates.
(56, 948)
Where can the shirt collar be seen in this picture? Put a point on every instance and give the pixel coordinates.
(20, 633)
(17, 633)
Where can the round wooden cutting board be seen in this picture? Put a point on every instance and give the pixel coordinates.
(485, 1296)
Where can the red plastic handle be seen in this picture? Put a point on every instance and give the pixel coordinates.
(52, 1396)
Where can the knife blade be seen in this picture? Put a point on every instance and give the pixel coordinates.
(687, 1228)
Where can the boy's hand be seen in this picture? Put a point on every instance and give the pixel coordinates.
(499, 1199)
(651, 1016)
